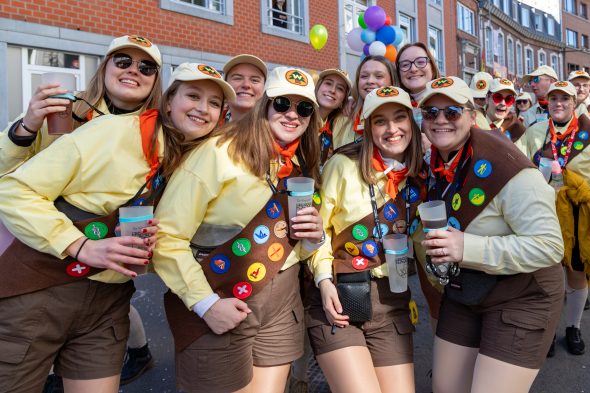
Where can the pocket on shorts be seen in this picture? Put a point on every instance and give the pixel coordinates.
(120, 330)
(13, 349)
(403, 324)
(528, 330)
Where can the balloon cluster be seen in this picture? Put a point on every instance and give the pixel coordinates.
(375, 36)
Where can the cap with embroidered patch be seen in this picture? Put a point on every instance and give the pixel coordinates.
(337, 71)
(578, 74)
(500, 84)
(563, 86)
(385, 95)
(290, 81)
(542, 70)
(480, 84)
(187, 72)
(449, 86)
(136, 41)
(245, 59)
(524, 96)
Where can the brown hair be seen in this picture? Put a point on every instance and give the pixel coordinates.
(358, 101)
(251, 141)
(431, 59)
(337, 111)
(363, 151)
(96, 91)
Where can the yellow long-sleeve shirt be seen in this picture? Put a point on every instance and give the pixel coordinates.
(208, 188)
(97, 168)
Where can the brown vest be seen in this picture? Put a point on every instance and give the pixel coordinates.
(513, 128)
(581, 142)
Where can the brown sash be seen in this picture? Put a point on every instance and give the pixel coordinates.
(494, 162)
(581, 142)
(513, 128)
(240, 267)
(357, 247)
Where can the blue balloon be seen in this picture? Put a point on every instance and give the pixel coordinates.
(386, 34)
(363, 57)
(399, 36)
(366, 49)
(368, 36)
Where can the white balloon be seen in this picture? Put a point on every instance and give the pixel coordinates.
(377, 48)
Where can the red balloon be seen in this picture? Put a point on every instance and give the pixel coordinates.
(390, 53)
(388, 20)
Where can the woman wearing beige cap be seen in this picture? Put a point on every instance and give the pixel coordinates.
(370, 191)
(67, 268)
(499, 257)
(227, 249)
(564, 140)
(246, 74)
(523, 104)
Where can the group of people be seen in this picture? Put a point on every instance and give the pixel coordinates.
(251, 288)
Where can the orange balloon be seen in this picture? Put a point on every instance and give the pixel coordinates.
(390, 53)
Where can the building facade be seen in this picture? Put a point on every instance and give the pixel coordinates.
(576, 30)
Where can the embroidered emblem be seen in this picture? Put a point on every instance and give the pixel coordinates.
(280, 229)
(387, 91)
(441, 82)
(370, 248)
(390, 211)
(77, 269)
(242, 290)
(384, 230)
(481, 85)
(208, 70)
(275, 252)
(578, 145)
(456, 202)
(96, 230)
(220, 264)
(351, 248)
(583, 135)
(360, 263)
(256, 272)
(261, 234)
(414, 194)
(241, 247)
(482, 168)
(477, 197)
(505, 82)
(453, 222)
(360, 232)
(296, 77)
(560, 84)
(273, 209)
(139, 40)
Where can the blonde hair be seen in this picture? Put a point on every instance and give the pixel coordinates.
(251, 141)
(358, 100)
(337, 111)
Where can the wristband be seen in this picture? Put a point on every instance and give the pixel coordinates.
(80, 249)
(22, 123)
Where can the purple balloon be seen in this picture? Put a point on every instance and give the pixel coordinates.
(366, 49)
(375, 17)
(386, 34)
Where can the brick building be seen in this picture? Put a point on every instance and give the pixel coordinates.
(576, 30)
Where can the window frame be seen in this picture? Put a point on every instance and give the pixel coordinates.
(570, 6)
(439, 52)
(510, 55)
(489, 42)
(267, 27)
(519, 59)
(550, 26)
(529, 59)
(411, 27)
(525, 18)
(461, 11)
(227, 17)
(567, 38)
(500, 47)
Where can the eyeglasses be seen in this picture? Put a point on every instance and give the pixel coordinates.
(419, 62)
(452, 112)
(520, 102)
(283, 104)
(146, 67)
(498, 98)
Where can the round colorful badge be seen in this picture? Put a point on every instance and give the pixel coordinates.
(96, 230)
(583, 135)
(390, 211)
(456, 202)
(399, 226)
(273, 209)
(477, 196)
(261, 234)
(242, 290)
(413, 226)
(360, 232)
(410, 195)
(370, 248)
(275, 252)
(360, 263)
(351, 248)
(563, 150)
(508, 135)
(561, 161)
(256, 272)
(139, 202)
(482, 168)
(316, 198)
(219, 264)
(384, 230)
(241, 246)
(280, 229)
(77, 269)
(578, 145)
(326, 142)
(453, 222)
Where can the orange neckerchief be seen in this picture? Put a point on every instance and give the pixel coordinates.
(394, 178)
(437, 164)
(357, 127)
(89, 115)
(327, 128)
(555, 136)
(287, 155)
(147, 127)
(414, 103)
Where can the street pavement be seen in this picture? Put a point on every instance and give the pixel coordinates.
(563, 373)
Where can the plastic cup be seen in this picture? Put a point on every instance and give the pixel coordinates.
(433, 215)
(6, 238)
(545, 165)
(61, 122)
(132, 220)
(396, 256)
(300, 196)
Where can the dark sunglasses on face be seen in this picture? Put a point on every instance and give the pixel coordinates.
(146, 67)
(520, 102)
(419, 62)
(536, 79)
(498, 98)
(451, 112)
(283, 104)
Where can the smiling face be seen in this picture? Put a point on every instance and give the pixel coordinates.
(391, 129)
(287, 126)
(498, 111)
(128, 88)
(415, 79)
(373, 74)
(248, 83)
(582, 86)
(331, 93)
(195, 108)
(561, 106)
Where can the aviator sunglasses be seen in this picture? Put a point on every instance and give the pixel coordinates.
(498, 98)
(283, 104)
(146, 67)
(451, 112)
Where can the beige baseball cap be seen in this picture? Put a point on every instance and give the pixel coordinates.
(480, 84)
(337, 71)
(563, 86)
(139, 42)
(187, 72)
(500, 84)
(450, 86)
(524, 96)
(542, 70)
(385, 95)
(285, 80)
(578, 74)
(245, 59)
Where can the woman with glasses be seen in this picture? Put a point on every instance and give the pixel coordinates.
(370, 190)
(498, 254)
(564, 140)
(523, 104)
(65, 282)
(228, 251)
(126, 81)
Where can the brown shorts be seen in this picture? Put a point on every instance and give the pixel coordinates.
(80, 327)
(388, 336)
(514, 324)
(271, 335)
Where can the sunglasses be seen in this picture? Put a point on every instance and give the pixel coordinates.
(536, 79)
(498, 98)
(520, 102)
(419, 62)
(452, 112)
(146, 67)
(283, 104)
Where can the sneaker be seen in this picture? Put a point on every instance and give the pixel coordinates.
(53, 384)
(137, 362)
(551, 351)
(573, 338)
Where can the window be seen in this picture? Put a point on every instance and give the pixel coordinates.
(538, 22)
(510, 52)
(506, 7)
(526, 17)
(519, 69)
(408, 26)
(584, 41)
(286, 18)
(352, 11)
(583, 10)
(570, 6)
(572, 67)
(218, 10)
(500, 49)
(555, 64)
(488, 44)
(550, 26)
(435, 44)
(529, 61)
(465, 19)
(436, 2)
(497, 3)
(542, 59)
(571, 38)
(514, 10)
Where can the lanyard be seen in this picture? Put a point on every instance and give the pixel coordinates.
(568, 151)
